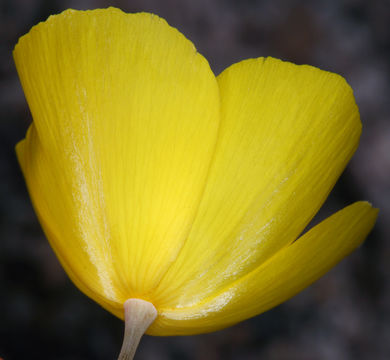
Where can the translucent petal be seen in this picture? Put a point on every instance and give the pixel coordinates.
(126, 115)
(286, 134)
(279, 278)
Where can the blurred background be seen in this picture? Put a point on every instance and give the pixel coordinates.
(345, 315)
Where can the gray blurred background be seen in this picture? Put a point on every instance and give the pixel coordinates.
(343, 316)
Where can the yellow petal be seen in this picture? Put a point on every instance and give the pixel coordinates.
(282, 276)
(286, 134)
(126, 114)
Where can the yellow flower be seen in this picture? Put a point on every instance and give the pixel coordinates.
(155, 180)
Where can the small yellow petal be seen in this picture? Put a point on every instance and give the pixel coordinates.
(282, 276)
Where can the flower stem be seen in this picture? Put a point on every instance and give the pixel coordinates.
(139, 314)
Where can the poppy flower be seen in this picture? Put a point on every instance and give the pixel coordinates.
(155, 180)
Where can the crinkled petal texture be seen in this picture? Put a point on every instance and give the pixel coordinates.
(153, 179)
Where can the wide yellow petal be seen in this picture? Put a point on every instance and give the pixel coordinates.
(126, 114)
(286, 134)
(282, 276)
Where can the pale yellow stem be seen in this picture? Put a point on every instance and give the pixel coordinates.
(139, 314)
